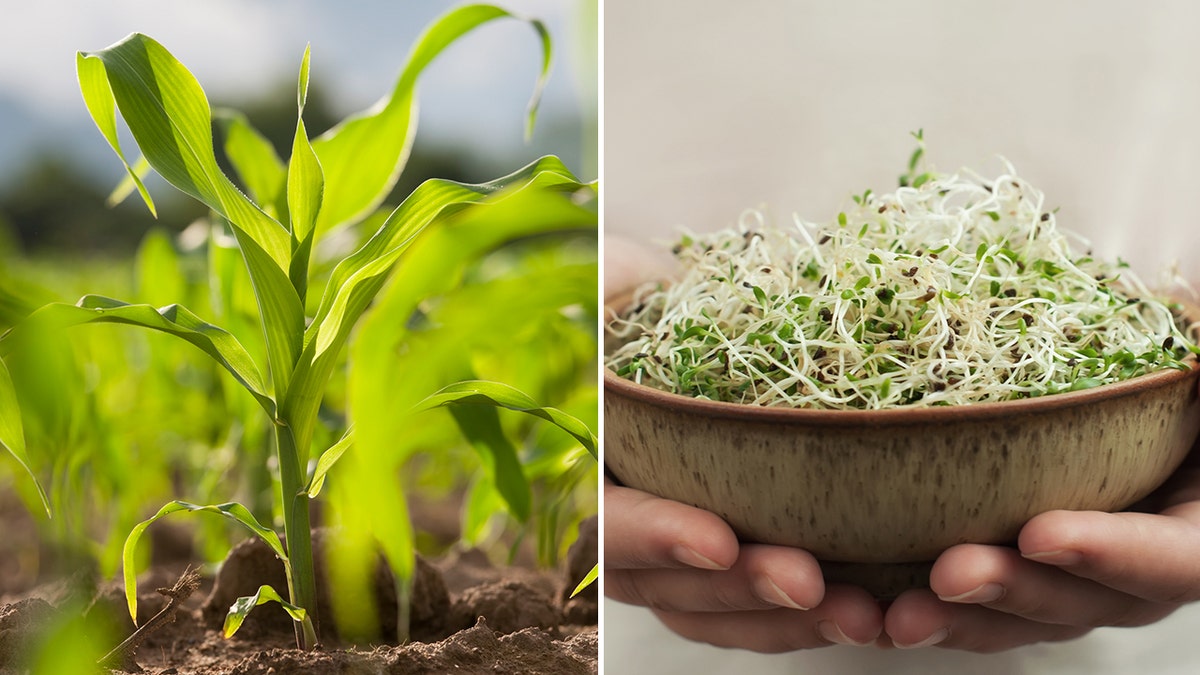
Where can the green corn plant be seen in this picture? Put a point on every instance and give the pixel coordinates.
(335, 181)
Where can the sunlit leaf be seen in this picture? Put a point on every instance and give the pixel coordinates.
(233, 511)
(171, 319)
(242, 606)
(356, 280)
(363, 156)
(169, 116)
(479, 392)
(327, 460)
(305, 185)
(590, 577)
(12, 433)
(98, 97)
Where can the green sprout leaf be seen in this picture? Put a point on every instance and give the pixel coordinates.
(243, 605)
(362, 157)
(587, 580)
(172, 319)
(232, 510)
(327, 460)
(170, 119)
(12, 433)
(477, 392)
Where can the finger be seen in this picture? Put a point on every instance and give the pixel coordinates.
(643, 531)
(998, 577)
(848, 615)
(1147, 556)
(764, 577)
(919, 619)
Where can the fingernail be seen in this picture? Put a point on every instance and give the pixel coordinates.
(937, 637)
(1056, 557)
(831, 632)
(771, 592)
(691, 558)
(988, 592)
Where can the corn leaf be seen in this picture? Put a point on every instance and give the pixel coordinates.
(327, 460)
(232, 510)
(12, 433)
(588, 578)
(172, 319)
(252, 156)
(305, 183)
(98, 97)
(480, 425)
(170, 119)
(357, 279)
(363, 156)
(243, 605)
(478, 392)
(129, 183)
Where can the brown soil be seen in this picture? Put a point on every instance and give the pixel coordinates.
(468, 616)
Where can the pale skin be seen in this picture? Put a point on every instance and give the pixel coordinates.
(1069, 573)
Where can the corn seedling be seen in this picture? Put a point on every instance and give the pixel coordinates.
(277, 219)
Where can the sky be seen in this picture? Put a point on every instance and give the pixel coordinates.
(474, 95)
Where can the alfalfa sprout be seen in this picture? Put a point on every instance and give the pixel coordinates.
(951, 290)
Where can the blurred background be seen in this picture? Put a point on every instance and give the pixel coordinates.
(56, 169)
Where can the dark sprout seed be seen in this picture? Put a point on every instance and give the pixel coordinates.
(824, 239)
(1045, 217)
(823, 280)
(930, 292)
(883, 208)
(819, 353)
(1010, 292)
(747, 284)
(1133, 301)
(766, 270)
(912, 271)
(825, 314)
(1072, 362)
(1169, 342)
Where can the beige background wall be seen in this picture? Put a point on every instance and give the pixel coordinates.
(712, 107)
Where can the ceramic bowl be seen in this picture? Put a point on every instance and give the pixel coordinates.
(877, 495)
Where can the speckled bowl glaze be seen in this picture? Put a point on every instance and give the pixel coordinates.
(877, 495)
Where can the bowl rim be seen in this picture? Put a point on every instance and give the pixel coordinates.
(987, 410)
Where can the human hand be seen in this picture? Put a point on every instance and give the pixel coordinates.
(1071, 572)
(687, 566)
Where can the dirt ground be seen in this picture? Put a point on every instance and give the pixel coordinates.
(468, 616)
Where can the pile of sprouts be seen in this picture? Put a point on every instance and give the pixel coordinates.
(951, 290)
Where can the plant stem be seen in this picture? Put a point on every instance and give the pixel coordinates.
(302, 586)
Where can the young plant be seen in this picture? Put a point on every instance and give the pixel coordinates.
(335, 181)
